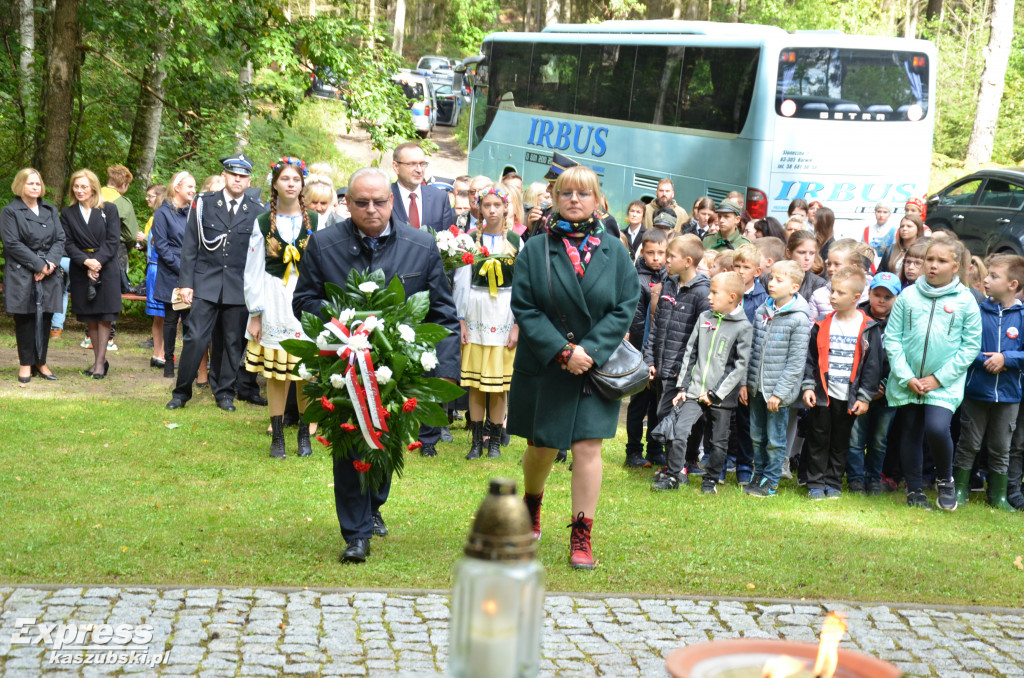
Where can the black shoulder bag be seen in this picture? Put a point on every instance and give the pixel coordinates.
(623, 374)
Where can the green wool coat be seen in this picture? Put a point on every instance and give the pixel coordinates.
(546, 403)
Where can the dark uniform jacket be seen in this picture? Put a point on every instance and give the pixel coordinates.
(214, 270)
(647, 277)
(30, 241)
(101, 235)
(409, 253)
(546, 403)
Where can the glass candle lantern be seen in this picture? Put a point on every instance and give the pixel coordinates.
(497, 593)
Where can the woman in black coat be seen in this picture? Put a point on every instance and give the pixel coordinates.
(92, 231)
(168, 231)
(33, 289)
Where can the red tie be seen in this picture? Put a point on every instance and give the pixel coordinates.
(414, 212)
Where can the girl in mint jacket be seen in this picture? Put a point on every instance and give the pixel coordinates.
(933, 335)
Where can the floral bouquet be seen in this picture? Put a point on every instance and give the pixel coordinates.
(457, 248)
(365, 370)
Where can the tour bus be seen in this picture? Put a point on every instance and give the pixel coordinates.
(843, 119)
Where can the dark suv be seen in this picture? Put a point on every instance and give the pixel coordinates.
(984, 210)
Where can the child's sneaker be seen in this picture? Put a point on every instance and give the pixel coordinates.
(636, 461)
(874, 488)
(694, 469)
(816, 494)
(709, 486)
(833, 493)
(946, 499)
(916, 499)
(665, 482)
(760, 489)
(111, 346)
(655, 458)
(743, 477)
(855, 486)
(888, 484)
(86, 343)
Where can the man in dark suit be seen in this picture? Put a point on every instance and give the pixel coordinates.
(374, 238)
(213, 256)
(416, 204)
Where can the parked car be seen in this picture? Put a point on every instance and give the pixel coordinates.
(422, 101)
(984, 210)
(324, 84)
(449, 106)
(431, 62)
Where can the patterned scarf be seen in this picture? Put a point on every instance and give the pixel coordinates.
(580, 239)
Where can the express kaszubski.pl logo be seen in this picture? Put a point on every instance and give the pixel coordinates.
(90, 643)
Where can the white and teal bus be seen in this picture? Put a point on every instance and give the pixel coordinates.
(846, 120)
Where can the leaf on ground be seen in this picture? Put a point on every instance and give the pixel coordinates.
(1019, 562)
(171, 425)
(124, 549)
(751, 586)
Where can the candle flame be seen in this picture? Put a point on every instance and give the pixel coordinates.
(490, 607)
(832, 631)
(782, 667)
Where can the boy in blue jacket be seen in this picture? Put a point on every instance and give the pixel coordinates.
(992, 393)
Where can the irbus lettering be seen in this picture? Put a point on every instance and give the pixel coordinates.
(582, 138)
(845, 191)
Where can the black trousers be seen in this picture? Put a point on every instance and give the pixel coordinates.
(926, 424)
(246, 385)
(643, 404)
(171, 329)
(739, 439)
(25, 328)
(203, 318)
(355, 510)
(828, 444)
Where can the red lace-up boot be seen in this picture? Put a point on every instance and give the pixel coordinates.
(580, 555)
(533, 502)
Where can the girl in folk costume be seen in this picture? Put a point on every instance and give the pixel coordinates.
(483, 295)
(271, 272)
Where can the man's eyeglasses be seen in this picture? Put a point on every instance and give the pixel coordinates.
(421, 165)
(363, 204)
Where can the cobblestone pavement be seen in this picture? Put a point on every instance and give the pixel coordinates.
(264, 632)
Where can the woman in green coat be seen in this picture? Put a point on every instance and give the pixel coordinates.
(596, 289)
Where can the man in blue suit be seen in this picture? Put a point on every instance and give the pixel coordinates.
(418, 205)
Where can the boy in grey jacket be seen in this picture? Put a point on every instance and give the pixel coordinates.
(713, 370)
(781, 331)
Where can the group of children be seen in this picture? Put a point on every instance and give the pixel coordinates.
(738, 342)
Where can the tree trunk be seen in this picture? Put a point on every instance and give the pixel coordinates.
(399, 40)
(244, 82)
(373, 21)
(990, 92)
(148, 116)
(934, 11)
(60, 86)
(552, 11)
(27, 37)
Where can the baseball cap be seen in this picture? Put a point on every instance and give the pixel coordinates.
(889, 281)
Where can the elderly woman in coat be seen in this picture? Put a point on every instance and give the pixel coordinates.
(596, 289)
(92, 233)
(33, 245)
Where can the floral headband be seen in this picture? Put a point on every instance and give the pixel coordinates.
(492, 190)
(289, 160)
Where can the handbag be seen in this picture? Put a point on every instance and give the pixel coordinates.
(623, 374)
(176, 303)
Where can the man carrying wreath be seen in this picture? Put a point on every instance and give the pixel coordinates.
(373, 239)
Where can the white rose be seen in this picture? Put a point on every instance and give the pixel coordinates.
(323, 339)
(337, 381)
(305, 374)
(372, 323)
(358, 342)
(428, 360)
(384, 375)
(345, 317)
(368, 287)
(444, 237)
(408, 334)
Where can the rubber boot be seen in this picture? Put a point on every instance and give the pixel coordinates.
(581, 557)
(477, 448)
(493, 440)
(305, 449)
(533, 502)
(277, 437)
(997, 491)
(962, 480)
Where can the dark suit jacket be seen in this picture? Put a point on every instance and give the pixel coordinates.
(103, 235)
(217, 276)
(407, 253)
(436, 212)
(30, 242)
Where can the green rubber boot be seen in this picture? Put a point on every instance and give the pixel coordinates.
(962, 480)
(997, 491)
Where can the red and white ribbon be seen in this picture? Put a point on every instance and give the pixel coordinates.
(360, 378)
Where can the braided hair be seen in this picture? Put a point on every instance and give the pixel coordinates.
(502, 194)
(273, 243)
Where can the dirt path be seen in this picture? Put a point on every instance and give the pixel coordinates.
(449, 160)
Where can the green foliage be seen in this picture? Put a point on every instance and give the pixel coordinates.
(469, 22)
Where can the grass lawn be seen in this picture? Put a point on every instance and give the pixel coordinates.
(96, 488)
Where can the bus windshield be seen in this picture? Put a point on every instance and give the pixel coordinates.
(852, 84)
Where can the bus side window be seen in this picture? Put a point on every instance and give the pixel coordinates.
(656, 85)
(553, 77)
(604, 72)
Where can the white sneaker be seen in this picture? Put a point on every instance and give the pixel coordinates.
(86, 343)
(111, 346)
